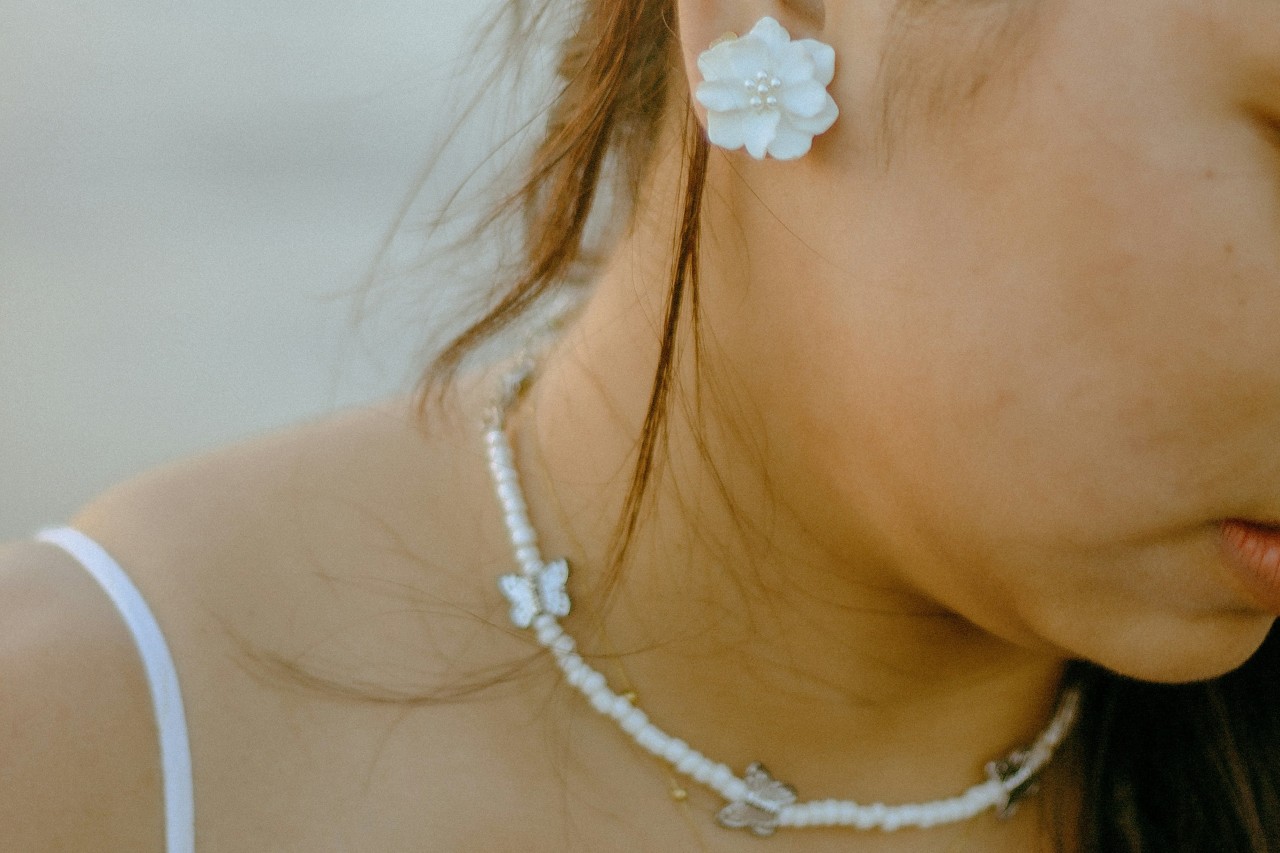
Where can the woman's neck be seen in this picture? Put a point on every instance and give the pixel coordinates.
(739, 634)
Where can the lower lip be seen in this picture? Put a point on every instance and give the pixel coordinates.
(1254, 553)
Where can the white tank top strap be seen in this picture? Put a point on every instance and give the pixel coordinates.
(162, 676)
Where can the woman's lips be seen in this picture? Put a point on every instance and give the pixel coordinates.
(1253, 551)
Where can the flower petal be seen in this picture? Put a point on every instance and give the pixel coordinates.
(794, 64)
(727, 130)
(790, 143)
(819, 123)
(721, 96)
(805, 99)
(823, 57)
(773, 34)
(759, 129)
(746, 56)
(717, 63)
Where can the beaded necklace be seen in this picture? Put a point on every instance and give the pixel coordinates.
(755, 801)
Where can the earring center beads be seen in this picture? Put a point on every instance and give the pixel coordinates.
(765, 87)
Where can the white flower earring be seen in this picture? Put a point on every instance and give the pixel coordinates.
(767, 93)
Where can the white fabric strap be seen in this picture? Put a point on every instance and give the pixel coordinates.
(166, 697)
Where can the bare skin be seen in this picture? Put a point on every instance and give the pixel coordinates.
(979, 415)
(309, 546)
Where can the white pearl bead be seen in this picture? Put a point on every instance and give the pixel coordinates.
(847, 813)
(512, 502)
(652, 739)
(675, 751)
(619, 708)
(978, 798)
(685, 765)
(527, 555)
(571, 663)
(602, 701)
(562, 644)
(721, 777)
(593, 682)
(703, 771)
(576, 676)
(633, 721)
(504, 488)
(735, 790)
(521, 532)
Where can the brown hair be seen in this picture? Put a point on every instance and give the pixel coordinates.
(1163, 768)
(615, 73)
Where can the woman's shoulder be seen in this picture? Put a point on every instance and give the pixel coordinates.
(270, 548)
(242, 528)
(80, 770)
(265, 491)
(272, 566)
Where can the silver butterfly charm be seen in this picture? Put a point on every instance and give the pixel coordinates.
(541, 592)
(1003, 772)
(758, 811)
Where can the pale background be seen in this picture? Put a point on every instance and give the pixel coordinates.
(188, 194)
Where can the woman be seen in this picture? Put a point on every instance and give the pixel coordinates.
(870, 454)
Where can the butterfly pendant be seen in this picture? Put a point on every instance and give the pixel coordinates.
(1003, 772)
(542, 591)
(759, 811)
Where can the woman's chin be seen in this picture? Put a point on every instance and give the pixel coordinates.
(1181, 654)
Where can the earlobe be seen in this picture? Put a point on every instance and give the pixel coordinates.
(765, 92)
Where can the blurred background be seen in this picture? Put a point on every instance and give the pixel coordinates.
(190, 196)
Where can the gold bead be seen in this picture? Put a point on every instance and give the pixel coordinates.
(630, 696)
(679, 794)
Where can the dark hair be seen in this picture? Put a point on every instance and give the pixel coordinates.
(1163, 768)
